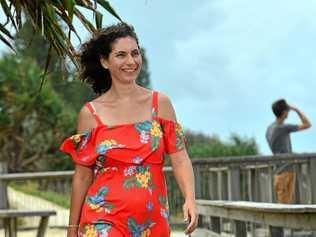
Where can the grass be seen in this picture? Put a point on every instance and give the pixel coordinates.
(32, 188)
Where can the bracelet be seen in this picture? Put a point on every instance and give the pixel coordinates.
(73, 226)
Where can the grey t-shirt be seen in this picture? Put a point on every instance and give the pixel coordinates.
(278, 137)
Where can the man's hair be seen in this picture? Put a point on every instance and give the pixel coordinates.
(279, 106)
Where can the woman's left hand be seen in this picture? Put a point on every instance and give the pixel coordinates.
(190, 215)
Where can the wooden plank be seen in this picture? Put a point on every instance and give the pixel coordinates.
(307, 184)
(234, 183)
(297, 182)
(213, 185)
(13, 227)
(3, 186)
(235, 194)
(48, 175)
(256, 159)
(10, 213)
(220, 185)
(197, 177)
(312, 165)
(217, 169)
(43, 226)
(255, 167)
(250, 185)
(290, 218)
(6, 225)
(261, 206)
(36, 175)
(251, 194)
(270, 184)
(257, 189)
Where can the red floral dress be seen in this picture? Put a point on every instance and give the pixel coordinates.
(128, 195)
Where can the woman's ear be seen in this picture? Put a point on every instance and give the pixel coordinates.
(104, 62)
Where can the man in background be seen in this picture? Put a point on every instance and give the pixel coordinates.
(278, 137)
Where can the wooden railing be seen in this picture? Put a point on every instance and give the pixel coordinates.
(251, 179)
(247, 178)
(60, 181)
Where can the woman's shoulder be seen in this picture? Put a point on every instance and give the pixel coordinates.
(86, 121)
(165, 107)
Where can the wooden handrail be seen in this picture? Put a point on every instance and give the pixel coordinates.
(45, 175)
(293, 158)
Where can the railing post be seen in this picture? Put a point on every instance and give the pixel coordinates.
(234, 195)
(3, 189)
(3, 186)
(215, 191)
(297, 182)
(213, 185)
(197, 177)
(312, 172)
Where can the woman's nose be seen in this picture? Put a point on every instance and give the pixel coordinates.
(130, 59)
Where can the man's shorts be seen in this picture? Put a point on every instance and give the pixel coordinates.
(284, 186)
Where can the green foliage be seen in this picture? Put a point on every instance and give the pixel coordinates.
(203, 146)
(30, 122)
(34, 124)
(73, 92)
(49, 18)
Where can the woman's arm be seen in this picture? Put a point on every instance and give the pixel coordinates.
(182, 169)
(81, 179)
(183, 172)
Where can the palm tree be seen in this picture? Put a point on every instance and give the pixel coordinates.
(50, 18)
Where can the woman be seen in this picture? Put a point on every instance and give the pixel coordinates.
(118, 189)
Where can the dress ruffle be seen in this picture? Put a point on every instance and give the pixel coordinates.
(115, 142)
(173, 136)
(81, 148)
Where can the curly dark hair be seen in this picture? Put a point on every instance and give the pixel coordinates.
(91, 70)
(279, 106)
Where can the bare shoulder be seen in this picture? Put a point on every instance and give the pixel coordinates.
(86, 121)
(165, 107)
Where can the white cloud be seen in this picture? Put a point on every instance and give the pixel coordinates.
(239, 56)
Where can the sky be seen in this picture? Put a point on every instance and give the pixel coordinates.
(223, 62)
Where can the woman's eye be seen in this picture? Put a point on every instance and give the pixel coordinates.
(120, 55)
(135, 53)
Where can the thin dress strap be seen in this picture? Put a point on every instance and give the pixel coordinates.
(91, 108)
(154, 107)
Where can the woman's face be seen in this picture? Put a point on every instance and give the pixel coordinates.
(124, 61)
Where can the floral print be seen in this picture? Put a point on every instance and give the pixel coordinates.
(149, 206)
(95, 230)
(179, 136)
(139, 230)
(98, 203)
(164, 210)
(140, 177)
(137, 160)
(104, 146)
(128, 188)
(80, 140)
(156, 134)
(143, 128)
(99, 164)
(149, 130)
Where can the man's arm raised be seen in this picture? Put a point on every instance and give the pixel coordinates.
(305, 122)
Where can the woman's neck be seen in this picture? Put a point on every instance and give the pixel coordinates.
(123, 91)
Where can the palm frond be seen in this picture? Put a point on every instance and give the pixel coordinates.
(49, 17)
